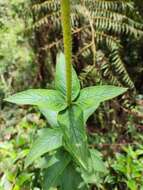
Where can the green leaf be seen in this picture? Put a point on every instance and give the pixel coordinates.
(60, 80)
(91, 97)
(96, 169)
(23, 177)
(70, 179)
(45, 161)
(50, 115)
(132, 185)
(74, 134)
(49, 139)
(52, 99)
(88, 112)
(96, 161)
(52, 174)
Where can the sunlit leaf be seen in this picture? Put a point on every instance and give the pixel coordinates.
(91, 97)
(52, 99)
(60, 80)
(49, 139)
(74, 134)
(53, 173)
(88, 112)
(96, 168)
(50, 115)
(96, 161)
(71, 179)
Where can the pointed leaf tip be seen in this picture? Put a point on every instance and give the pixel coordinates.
(50, 139)
(52, 99)
(60, 79)
(91, 97)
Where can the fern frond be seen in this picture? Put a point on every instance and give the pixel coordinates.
(106, 69)
(110, 20)
(117, 5)
(50, 5)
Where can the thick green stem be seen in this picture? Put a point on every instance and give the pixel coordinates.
(67, 36)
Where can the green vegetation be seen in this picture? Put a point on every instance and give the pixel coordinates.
(84, 128)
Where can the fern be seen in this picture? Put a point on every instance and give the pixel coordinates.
(106, 20)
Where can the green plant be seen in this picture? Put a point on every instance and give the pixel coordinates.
(128, 166)
(96, 25)
(15, 142)
(67, 109)
(16, 55)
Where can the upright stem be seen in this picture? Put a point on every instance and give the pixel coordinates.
(67, 36)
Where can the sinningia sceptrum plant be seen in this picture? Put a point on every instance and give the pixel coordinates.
(67, 108)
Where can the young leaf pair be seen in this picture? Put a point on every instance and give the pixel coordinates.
(68, 121)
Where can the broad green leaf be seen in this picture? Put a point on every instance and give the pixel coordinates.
(52, 174)
(46, 161)
(74, 134)
(96, 161)
(88, 112)
(52, 99)
(96, 168)
(91, 97)
(50, 115)
(60, 80)
(49, 139)
(71, 179)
